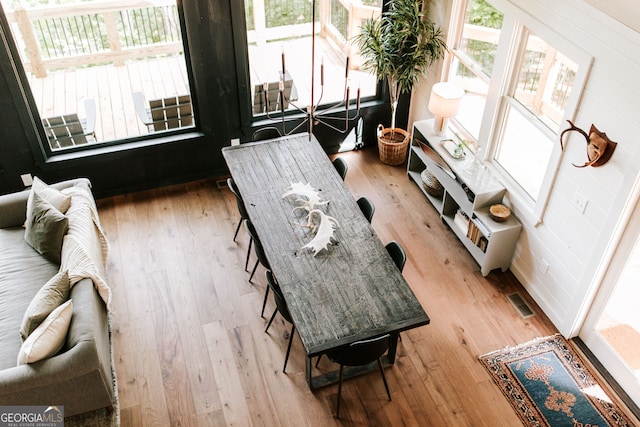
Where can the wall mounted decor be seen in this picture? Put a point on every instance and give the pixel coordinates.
(599, 146)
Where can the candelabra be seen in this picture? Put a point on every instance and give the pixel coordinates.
(313, 116)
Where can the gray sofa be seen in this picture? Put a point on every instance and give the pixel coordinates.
(79, 377)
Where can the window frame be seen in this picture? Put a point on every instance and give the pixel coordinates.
(511, 45)
(46, 157)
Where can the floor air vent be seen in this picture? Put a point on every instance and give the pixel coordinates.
(520, 305)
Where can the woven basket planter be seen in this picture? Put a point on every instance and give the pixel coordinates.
(393, 151)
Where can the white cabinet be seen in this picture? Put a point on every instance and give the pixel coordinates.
(467, 194)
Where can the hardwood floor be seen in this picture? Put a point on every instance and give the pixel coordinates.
(190, 344)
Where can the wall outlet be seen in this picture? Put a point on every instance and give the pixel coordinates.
(27, 179)
(235, 141)
(580, 202)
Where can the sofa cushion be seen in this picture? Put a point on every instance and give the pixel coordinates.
(22, 273)
(48, 298)
(52, 195)
(48, 338)
(45, 228)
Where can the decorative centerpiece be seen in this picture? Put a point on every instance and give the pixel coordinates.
(325, 229)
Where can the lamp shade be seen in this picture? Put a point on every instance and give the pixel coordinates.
(445, 99)
(444, 103)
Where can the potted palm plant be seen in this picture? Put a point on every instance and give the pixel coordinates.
(401, 45)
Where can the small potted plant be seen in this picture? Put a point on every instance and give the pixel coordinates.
(401, 45)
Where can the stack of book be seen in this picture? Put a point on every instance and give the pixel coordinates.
(478, 233)
(473, 228)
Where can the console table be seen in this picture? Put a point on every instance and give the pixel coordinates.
(465, 200)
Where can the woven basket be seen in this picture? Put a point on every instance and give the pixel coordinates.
(431, 184)
(392, 152)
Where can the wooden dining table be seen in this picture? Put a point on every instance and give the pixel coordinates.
(352, 290)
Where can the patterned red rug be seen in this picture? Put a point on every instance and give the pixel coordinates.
(548, 384)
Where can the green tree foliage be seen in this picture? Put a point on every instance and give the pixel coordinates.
(287, 12)
(482, 14)
(86, 34)
(280, 13)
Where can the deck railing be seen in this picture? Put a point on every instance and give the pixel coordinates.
(480, 44)
(88, 33)
(339, 20)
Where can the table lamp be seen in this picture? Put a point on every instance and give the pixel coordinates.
(444, 103)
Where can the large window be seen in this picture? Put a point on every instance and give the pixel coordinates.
(533, 112)
(103, 72)
(521, 82)
(279, 36)
(474, 53)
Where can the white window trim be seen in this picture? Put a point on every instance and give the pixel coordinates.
(515, 25)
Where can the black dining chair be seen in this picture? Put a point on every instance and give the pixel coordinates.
(341, 166)
(399, 257)
(367, 207)
(242, 210)
(258, 249)
(360, 353)
(281, 307)
(397, 253)
(268, 132)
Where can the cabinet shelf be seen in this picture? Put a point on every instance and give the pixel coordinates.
(474, 250)
(468, 192)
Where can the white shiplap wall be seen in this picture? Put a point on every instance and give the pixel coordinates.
(574, 244)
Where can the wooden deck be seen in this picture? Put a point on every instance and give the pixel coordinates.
(111, 87)
(64, 91)
(298, 64)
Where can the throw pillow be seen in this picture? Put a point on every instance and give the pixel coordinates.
(57, 198)
(48, 298)
(48, 338)
(45, 228)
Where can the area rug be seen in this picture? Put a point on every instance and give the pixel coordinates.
(548, 384)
